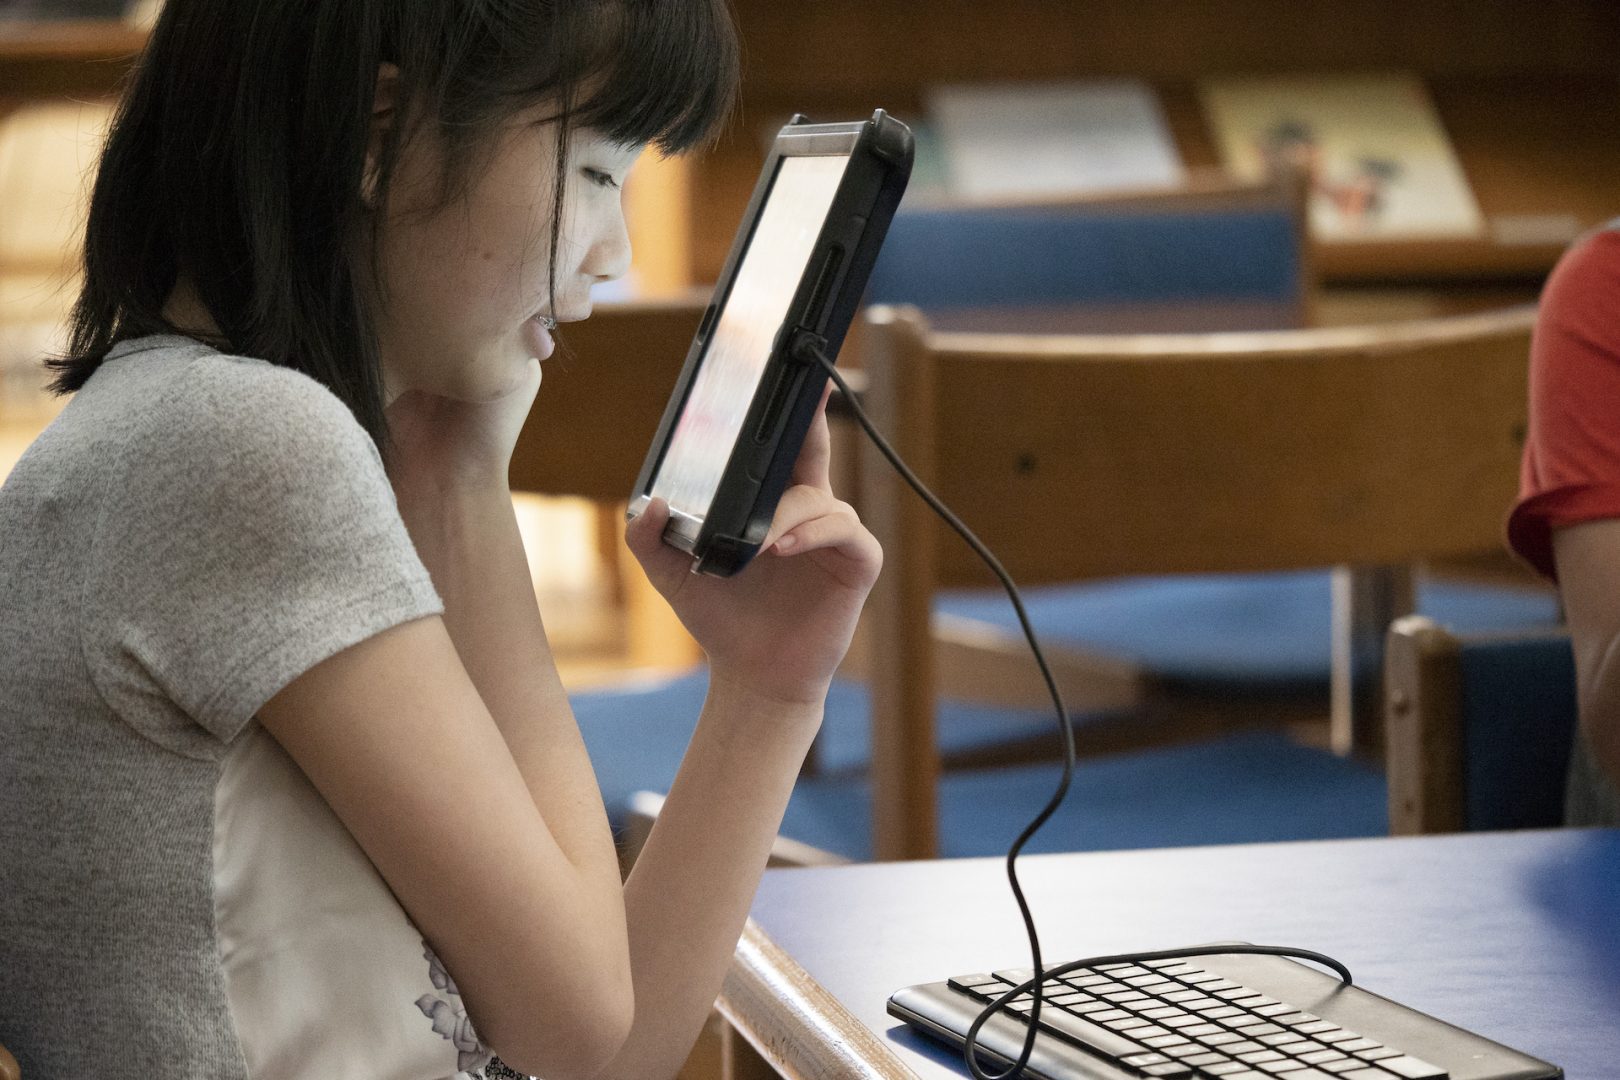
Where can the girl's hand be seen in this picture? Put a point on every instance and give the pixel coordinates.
(439, 442)
(780, 627)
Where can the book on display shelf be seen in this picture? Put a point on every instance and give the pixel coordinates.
(1377, 156)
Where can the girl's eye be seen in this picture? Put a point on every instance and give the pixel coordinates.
(600, 178)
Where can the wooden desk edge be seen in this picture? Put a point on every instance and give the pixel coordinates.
(794, 1023)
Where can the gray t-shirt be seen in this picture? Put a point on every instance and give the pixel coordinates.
(194, 531)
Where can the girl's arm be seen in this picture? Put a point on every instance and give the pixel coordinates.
(1588, 560)
(448, 749)
(774, 635)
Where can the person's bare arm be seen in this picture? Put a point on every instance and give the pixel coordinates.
(774, 635)
(1588, 560)
(448, 749)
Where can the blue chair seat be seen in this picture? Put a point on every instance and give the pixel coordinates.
(1246, 787)
(1261, 631)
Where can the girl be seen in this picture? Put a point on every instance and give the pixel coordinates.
(291, 788)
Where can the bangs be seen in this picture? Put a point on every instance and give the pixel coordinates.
(664, 74)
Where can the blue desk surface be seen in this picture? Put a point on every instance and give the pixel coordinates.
(1513, 935)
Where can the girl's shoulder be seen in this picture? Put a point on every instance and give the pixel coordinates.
(172, 400)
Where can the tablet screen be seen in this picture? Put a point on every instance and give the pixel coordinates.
(740, 344)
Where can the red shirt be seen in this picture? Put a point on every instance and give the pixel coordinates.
(1571, 467)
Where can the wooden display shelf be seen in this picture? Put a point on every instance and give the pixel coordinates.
(1530, 100)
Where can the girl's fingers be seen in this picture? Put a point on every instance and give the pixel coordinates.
(644, 536)
(814, 465)
(799, 503)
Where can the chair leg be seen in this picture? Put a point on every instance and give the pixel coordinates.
(1366, 599)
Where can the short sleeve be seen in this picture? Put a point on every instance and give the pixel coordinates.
(1571, 467)
(249, 533)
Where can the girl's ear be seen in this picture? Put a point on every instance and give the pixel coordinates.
(384, 114)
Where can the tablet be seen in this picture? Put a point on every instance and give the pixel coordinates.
(738, 415)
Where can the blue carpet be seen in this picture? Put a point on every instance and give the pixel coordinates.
(1251, 786)
(1233, 628)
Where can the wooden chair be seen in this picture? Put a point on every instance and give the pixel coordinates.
(1480, 728)
(1216, 254)
(1084, 457)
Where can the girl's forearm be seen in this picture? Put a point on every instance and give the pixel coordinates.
(468, 538)
(689, 892)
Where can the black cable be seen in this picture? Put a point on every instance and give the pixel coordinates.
(806, 347)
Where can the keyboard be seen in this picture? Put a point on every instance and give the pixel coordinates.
(1179, 1019)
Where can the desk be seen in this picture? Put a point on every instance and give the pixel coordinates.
(1514, 935)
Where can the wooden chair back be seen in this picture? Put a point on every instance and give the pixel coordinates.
(601, 398)
(1078, 457)
(1479, 728)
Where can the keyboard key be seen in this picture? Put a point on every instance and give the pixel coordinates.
(1345, 1064)
(1138, 1060)
(1412, 1068)
(1121, 997)
(1163, 1011)
(1248, 1074)
(1316, 1057)
(1236, 992)
(1247, 1046)
(1159, 987)
(1220, 1012)
(1285, 1066)
(1177, 969)
(1300, 1049)
(1086, 1008)
(1364, 1073)
(1291, 1018)
(1185, 1051)
(1311, 1074)
(1174, 1069)
(1221, 1039)
(1202, 1002)
(1206, 1058)
(1199, 1031)
(1159, 1042)
(1217, 985)
(1282, 1038)
(1184, 1020)
(1130, 1023)
(1254, 1031)
(1268, 1007)
(1350, 1046)
(1179, 996)
(1336, 1037)
(968, 982)
(1152, 1031)
(1224, 1068)
(1316, 1026)
(1016, 976)
(1258, 1057)
(1083, 1031)
(1130, 971)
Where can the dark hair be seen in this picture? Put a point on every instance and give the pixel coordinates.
(236, 156)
